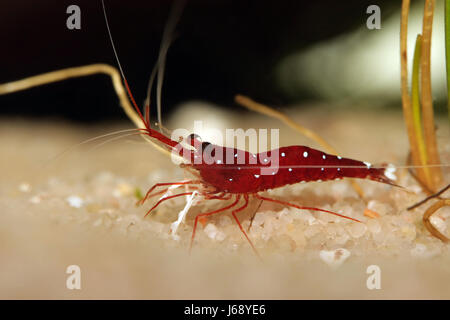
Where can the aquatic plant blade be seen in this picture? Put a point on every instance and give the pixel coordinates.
(417, 117)
(447, 51)
(406, 98)
(426, 97)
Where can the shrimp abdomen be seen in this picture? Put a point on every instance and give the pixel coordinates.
(304, 164)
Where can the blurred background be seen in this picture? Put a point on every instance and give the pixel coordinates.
(283, 53)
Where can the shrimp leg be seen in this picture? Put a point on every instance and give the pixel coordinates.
(238, 197)
(240, 226)
(167, 198)
(303, 208)
(140, 202)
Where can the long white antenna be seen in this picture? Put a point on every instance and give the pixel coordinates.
(158, 69)
(147, 125)
(177, 9)
(112, 41)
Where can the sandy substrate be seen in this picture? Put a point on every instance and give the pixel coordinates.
(80, 210)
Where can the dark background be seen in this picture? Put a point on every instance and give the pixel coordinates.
(222, 47)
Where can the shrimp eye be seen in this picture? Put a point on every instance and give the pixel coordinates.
(211, 151)
(205, 145)
(192, 138)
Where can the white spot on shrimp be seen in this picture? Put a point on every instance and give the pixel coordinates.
(324, 157)
(283, 154)
(256, 176)
(231, 179)
(265, 160)
(322, 169)
(290, 169)
(305, 154)
(319, 180)
(339, 157)
(368, 164)
(273, 173)
(239, 168)
(219, 161)
(339, 169)
(235, 155)
(390, 172)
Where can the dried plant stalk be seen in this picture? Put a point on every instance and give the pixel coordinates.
(426, 219)
(427, 100)
(433, 196)
(261, 108)
(83, 71)
(406, 99)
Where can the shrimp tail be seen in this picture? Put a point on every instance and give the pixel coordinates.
(384, 174)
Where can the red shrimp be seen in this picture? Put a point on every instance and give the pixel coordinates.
(219, 179)
(242, 179)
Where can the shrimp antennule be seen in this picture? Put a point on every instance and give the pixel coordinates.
(152, 133)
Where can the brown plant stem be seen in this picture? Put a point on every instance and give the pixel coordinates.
(426, 219)
(436, 195)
